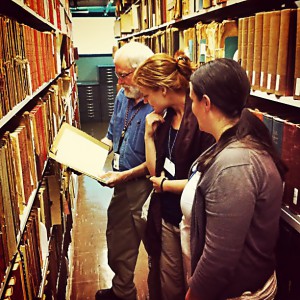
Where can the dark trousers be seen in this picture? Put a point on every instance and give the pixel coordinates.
(125, 230)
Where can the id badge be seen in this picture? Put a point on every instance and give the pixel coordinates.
(169, 166)
(116, 161)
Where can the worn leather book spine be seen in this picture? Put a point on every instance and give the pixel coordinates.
(250, 47)
(12, 188)
(297, 60)
(245, 23)
(265, 50)
(30, 147)
(7, 200)
(14, 139)
(4, 258)
(257, 54)
(273, 51)
(28, 187)
(291, 157)
(286, 53)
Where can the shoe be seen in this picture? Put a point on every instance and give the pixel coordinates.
(106, 294)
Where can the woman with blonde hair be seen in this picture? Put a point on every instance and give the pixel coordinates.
(173, 141)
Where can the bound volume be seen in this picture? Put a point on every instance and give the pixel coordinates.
(79, 151)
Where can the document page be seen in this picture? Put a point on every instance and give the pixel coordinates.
(79, 151)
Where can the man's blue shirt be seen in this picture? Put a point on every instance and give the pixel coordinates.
(132, 151)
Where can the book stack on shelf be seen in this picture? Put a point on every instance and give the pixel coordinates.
(38, 92)
(271, 67)
(149, 14)
(52, 11)
(284, 127)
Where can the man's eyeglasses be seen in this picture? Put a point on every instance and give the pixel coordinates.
(123, 75)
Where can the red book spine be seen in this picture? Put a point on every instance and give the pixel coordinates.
(58, 14)
(28, 186)
(291, 156)
(30, 54)
(51, 12)
(36, 57)
(43, 57)
(37, 141)
(42, 134)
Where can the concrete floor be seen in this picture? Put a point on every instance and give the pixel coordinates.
(90, 271)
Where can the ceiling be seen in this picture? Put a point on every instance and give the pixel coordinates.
(78, 3)
(97, 8)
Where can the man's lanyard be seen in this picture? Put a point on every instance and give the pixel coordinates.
(127, 123)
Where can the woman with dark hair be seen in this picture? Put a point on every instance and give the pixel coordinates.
(237, 196)
(173, 141)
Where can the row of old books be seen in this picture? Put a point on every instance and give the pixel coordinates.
(192, 6)
(271, 58)
(50, 10)
(61, 189)
(67, 51)
(25, 276)
(14, 70)
(166, 41)
(43, 62)
(202, 42)
(26, 62)
(30, 195)
(269, 50)
(285, 131)
(206, 42)
(23, 154)
(145, 14)
(41, 248)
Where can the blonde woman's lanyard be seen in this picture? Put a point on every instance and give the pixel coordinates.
(126, 125)
(169, 164)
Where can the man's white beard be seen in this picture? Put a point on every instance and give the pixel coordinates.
(132, 92)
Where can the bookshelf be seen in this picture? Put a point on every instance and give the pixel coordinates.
(189, 26)
(287, 100)
(38, 91)
(208, 29)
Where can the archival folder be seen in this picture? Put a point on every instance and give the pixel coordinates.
(79, 151)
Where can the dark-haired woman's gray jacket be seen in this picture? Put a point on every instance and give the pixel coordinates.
(236, 211)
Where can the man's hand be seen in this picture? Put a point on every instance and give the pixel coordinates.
(111, 179)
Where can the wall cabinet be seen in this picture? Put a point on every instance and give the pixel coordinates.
(89, 101)
(97, 98)
(108, 89)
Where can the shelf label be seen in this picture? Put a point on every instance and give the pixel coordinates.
(253, 78)
(295, 197)
(269, 81)
(277, 82)
(261, 78)
(297, 88)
